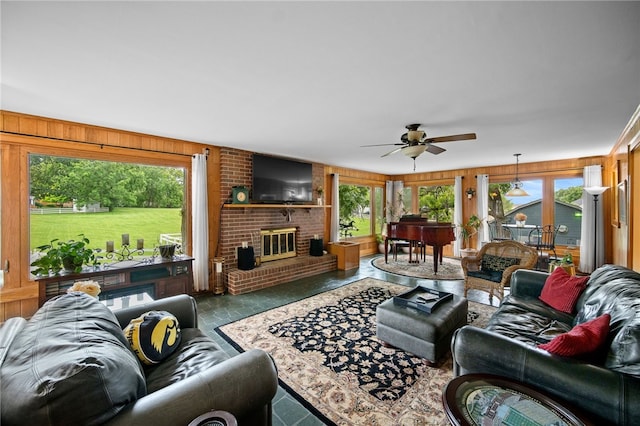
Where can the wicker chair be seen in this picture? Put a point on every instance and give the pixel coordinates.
(490, 270)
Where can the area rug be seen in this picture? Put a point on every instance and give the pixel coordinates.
(328, 356)
(450, 269)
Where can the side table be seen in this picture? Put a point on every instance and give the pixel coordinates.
(479, 399)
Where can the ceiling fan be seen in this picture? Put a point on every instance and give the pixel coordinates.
(415, 142)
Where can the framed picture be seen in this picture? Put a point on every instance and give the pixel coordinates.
(622, 202)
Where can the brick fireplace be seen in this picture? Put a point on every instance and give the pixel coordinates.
(240, 225)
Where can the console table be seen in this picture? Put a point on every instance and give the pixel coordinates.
(159, 278)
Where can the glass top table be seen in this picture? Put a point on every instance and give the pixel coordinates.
(519, 233)
(483, 399)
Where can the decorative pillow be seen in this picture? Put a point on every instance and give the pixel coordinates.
(69, 365)
(497, 263)
(583, 339)
(561, 290)
(153, 336)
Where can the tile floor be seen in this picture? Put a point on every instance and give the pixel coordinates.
(214, 311)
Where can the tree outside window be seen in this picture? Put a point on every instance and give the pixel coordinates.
(355, 211)
(103, 200)
(436, 202)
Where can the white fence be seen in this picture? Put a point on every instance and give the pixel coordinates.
(68, 210)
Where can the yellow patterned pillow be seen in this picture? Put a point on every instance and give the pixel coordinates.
(153, 336)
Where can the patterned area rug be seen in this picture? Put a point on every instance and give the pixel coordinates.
(328, 356)
(450, 269)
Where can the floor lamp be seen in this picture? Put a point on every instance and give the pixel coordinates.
(595, 191)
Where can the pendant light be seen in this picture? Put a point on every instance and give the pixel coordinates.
(516, 190)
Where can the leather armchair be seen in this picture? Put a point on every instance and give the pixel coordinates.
(243, 385)
(197, 378)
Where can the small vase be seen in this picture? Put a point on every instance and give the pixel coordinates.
(520, 223)
(319, 201)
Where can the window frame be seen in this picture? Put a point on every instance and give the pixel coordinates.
(373, 214)
(88, 151)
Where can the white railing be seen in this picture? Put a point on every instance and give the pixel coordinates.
(68, 210)
(166, 239)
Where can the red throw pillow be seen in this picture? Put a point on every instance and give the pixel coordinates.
(561, 290)
(582, 339)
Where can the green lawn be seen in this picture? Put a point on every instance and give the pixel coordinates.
(102, 227)
(363, 225)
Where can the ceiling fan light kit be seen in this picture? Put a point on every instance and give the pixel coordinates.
(415, 142)
(516, 190)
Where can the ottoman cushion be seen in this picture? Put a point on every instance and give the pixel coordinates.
(424, 334)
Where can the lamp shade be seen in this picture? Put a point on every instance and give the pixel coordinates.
(413, 150)
(595, 190)
(517, 191)
(415, 135)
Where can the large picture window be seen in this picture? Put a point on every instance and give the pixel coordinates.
(565, 214)
(361, 210)
(106, 202)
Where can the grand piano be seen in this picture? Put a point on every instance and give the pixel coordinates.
(420, 233)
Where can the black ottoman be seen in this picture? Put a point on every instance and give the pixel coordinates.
(427, 335)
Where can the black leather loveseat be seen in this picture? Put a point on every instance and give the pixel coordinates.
(606, 388)
(70, 364)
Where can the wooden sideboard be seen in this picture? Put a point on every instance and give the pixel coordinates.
(159, 278)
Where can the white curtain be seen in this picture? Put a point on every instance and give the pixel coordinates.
(483, 208)
(335, 208)
(457, 213)
(200, 222)
(592, 177)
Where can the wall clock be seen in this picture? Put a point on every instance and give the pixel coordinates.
(240, 195)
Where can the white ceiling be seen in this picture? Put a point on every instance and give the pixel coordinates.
(316, 80)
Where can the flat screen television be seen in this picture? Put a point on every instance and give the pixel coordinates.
(280, 180)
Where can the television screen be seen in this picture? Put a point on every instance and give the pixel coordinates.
(279, 180)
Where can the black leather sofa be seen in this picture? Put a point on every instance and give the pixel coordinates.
(605, 388)
(70, 364)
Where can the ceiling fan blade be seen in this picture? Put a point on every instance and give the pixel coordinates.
(391, 152)
(382, 144)
(432, 149)
(462, 137)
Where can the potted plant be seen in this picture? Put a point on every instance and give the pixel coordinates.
(520, 219)
(320, 191)
(565, 263)
(68, 255)
(468, 230)
(380, 240)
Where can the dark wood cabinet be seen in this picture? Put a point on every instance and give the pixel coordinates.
(159, 278)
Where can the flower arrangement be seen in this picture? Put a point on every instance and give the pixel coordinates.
(320, 190)
(92, 288)
(520, 217)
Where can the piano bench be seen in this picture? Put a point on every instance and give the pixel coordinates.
(398, 244)
(427, 335)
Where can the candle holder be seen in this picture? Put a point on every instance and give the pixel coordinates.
(125, 253)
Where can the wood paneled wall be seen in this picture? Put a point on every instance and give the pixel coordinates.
(623, 166)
